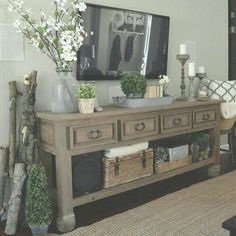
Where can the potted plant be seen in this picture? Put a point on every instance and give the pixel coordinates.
(86, 94)
(133, 85)
(200, 145)
(160, 154)
(38, 204)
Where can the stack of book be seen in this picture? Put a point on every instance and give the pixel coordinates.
(154, 91)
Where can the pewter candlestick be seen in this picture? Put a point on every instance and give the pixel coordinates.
(201, 77)
(182, 58)
(191, 89)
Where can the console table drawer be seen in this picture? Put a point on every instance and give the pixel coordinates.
(203, 117)
(178, 121)
(93, 135)
(136, 128)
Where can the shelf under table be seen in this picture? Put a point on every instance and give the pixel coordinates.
(138, 183)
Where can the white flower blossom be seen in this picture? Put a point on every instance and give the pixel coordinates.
(59, 35)
(17, 24)
(81, 6)
(28, 10)
(163, 79)
(10, 7)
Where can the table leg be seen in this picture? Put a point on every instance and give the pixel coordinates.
(66, 217)
(215, 169)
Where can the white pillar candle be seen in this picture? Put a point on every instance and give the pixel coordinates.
(182, 49)
(191, 69)
(201, 69)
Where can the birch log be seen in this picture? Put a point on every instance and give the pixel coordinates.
(3, 174)
(16, 197)
(32, 135)
(28, 120)
(27, 141)
(12, 126)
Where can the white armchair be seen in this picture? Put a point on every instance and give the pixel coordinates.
(226, 92)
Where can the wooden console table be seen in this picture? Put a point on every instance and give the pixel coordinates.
(66, 135)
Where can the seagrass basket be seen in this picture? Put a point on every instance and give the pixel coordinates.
(124, 169)
(227, 124)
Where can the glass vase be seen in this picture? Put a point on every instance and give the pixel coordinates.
(63, 94)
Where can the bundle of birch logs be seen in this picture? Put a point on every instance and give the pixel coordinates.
(14, 158)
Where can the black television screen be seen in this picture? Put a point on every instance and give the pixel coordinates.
(120, 41)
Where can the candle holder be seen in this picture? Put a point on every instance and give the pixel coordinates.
(182, 58)
(201, 92)
(191, 89)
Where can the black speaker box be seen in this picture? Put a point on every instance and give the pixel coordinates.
(86, 173)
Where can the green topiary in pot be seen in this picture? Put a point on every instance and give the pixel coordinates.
(86, 94)
(86, 90)
(133, 85)
(39, 212)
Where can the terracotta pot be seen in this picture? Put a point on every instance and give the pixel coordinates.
(86, 105)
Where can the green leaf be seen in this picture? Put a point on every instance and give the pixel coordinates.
(56, 13)
(73, 14)
(26, 16)
(40, 29)
(41, 45)
(60, 50)
(33, 21)
(70, 27)
(55, 41)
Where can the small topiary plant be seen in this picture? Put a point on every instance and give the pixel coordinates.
(133, 84)
(86, 90)
(38, 204)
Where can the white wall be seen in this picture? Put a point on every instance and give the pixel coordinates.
(205, 22)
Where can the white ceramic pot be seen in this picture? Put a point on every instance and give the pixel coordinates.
(86, 105)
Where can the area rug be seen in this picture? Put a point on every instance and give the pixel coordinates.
(198, 210)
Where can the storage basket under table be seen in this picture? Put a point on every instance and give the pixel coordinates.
(124, 169)
(172, 165)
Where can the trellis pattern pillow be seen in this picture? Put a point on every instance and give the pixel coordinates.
(222, 90)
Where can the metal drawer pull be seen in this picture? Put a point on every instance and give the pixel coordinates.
(94, 134)
(140, 126)
(177, 121)
(205, 117)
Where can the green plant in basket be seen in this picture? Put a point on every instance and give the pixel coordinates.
(133, 84)
(202, 140)
(160, 154)
(38, 204)
(86, 90)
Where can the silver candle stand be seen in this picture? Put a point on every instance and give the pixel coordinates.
(191, 89)
(182, 58)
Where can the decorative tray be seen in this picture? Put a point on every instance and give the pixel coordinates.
(141, 102)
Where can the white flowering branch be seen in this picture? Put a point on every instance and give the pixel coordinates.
(59, 36)
(164, 80)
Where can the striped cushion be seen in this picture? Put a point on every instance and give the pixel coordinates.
(223, 90)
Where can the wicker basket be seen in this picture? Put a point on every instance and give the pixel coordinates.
(227, 124)
(127, 168)
(172, 165)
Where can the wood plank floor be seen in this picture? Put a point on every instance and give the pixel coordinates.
(95, 211)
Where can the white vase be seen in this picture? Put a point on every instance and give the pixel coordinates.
(63, 93)
(86, 105)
